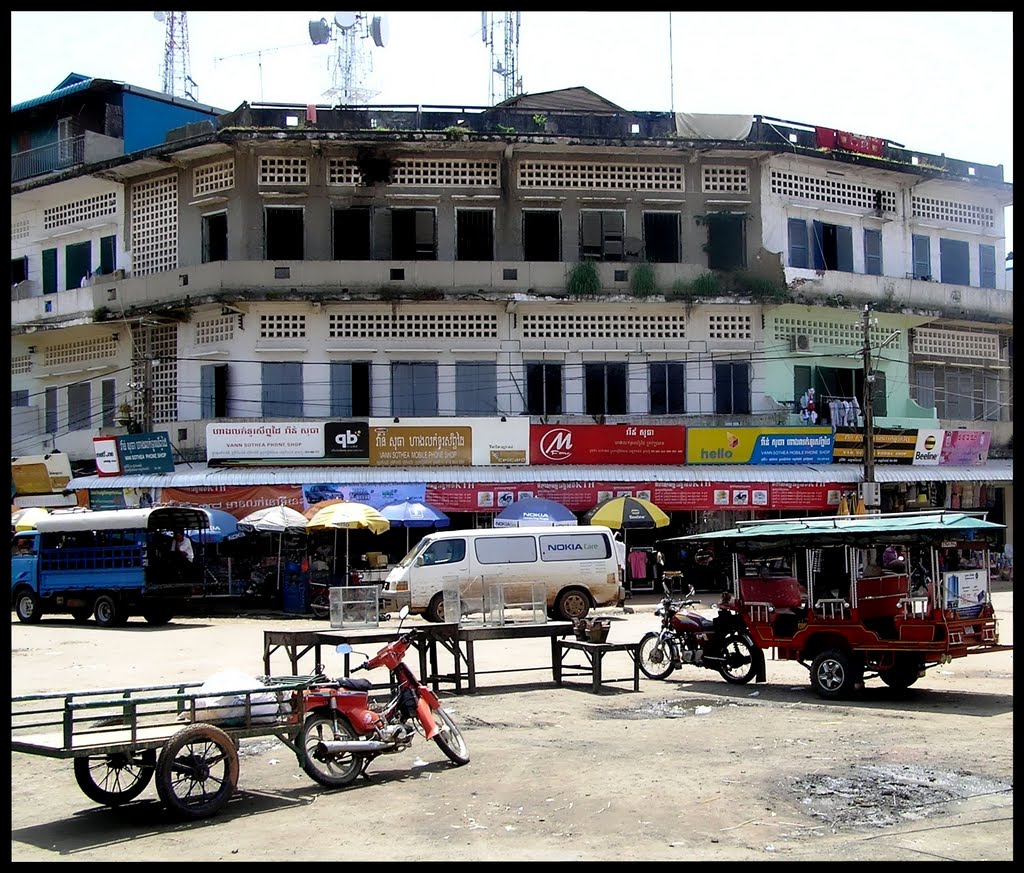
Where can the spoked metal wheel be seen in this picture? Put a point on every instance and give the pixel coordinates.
(197, 771)
(655, 657)
(739, 665)
(116, 778)
(449, 738)
(330, 770)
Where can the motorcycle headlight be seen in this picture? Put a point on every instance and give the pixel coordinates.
(660, 610)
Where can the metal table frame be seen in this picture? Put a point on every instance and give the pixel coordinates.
(594, 653)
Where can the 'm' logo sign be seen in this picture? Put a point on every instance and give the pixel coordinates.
(556, 444)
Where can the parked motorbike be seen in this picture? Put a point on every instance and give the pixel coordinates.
(687, 637)
(344, 731)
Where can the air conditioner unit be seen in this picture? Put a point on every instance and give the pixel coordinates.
(801, 342)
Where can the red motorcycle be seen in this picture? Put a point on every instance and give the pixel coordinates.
(343, 730)
(687, 637)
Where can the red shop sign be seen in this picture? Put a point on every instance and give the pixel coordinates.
(607, 444)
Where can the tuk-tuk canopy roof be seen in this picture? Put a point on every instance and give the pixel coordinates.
(149, 518)
(847, 530)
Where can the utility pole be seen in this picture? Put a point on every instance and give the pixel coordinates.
(868, 491)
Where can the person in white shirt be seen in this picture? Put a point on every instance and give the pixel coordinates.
(183, 546)
(620, 554)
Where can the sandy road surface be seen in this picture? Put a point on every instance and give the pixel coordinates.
(688, 768)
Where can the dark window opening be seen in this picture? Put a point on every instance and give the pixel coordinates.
(833, 247)
(215, 237)
(285, 234)
(77, 263)
(19, 269)
(726, 241)
(51, 410)
(413, 235)
(604, 387)
(542, 236)
(108, 402)
(19, 397)
(954, 262)
(213, 391)
(474, 234)
(49, 271)
(108, 255)
(661, 238)
(732, 388)
(668, 388)
(601, 235)
(350, 389)
(352, 234)
(543, 388)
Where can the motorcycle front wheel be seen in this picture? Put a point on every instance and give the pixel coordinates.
(655, 657)
(331, 771)
(738, 665)
(449, 738)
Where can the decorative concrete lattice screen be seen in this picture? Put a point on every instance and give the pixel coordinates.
(609, 177)
(478, 174)
(163, 352)
(155, 225)
(19, 228)
(956, 344)
(284, 171)
(282, 325)
(215, 330)
(846, 335)
(725, 180)
(21, 364)
(343, 171)
(951, 211)
(387, 325)
(211, 178)
(825, 190)
(80, 351)
(86, 209)
(730, 327)
(603, 326)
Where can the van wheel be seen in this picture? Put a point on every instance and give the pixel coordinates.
(572, 603)
(108, 614)
(435, 609)
(26, 604)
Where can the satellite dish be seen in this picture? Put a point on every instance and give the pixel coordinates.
(379, 30)
(159, 16)
(345, 20)
(319, 32)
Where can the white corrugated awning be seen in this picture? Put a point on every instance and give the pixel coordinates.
(993, 471)
(199, 475)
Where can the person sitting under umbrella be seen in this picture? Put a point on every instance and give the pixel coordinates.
(182, 555)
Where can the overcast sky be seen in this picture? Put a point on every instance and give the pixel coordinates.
(934, 81)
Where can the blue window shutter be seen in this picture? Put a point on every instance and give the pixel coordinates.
(341, 389)
(922, 257)
(844, 249)
(49, 271)
(476, 388)
(987, 266)
(819, 248)
(414, 389)
(873, 252)
(51, 410)
(281, 391)
(954, 262)
(797, 242)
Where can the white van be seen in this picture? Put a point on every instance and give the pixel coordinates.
(577, 565)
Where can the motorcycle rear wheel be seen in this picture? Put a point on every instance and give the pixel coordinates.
(450, 740)
(739, 665)
(655, 659)
(331, 771)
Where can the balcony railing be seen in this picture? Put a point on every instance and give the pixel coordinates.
(49, 158)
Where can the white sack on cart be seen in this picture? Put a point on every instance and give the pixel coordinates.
(223, 706)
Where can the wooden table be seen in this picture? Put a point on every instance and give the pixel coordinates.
(595, 653)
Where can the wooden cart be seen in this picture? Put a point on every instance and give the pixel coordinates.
(120, 738)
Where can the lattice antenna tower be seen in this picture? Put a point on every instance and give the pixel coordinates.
(349, 63)
(175, 70)
(504, 76)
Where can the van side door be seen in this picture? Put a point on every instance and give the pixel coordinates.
(25, 559)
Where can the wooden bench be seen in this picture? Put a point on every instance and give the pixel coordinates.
(595, 653)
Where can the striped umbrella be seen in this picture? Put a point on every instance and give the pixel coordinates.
(627, 513)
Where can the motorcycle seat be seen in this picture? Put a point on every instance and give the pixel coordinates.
(355, 684)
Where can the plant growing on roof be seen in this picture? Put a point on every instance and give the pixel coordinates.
(642, 280)
(583, 280)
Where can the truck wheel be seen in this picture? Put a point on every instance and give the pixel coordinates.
(27, 605)
(108, 613)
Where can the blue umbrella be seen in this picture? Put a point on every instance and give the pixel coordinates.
(223, 526)
(535, 511)
(414, 513)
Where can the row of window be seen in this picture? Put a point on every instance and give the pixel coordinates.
(78, 264)
(830, 247)
(956, 393)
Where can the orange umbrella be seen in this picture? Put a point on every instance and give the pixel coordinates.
(314, 508)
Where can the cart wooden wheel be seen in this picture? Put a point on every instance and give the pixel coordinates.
(115, 778)
(197, 771)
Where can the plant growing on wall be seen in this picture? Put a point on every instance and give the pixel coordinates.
(642, 280)
(583, 280)
(540, 120)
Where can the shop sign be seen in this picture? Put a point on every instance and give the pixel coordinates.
(258, 441)
(438, 442)
(239, 500)
(40, 474)
(965, 447)
(145, 453)
(928, 447)
(891, 445)
(607, 444)
(759, 445)
(376, 496)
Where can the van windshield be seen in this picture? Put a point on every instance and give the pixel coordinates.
(413, 552)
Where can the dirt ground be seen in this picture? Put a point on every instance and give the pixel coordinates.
(689, 768)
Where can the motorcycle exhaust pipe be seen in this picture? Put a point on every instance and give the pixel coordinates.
(336, 747)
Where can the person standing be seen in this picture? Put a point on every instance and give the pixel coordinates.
(182, 555)
(620, 555)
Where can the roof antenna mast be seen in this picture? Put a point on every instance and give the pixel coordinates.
(174, 71)
(506, 66)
